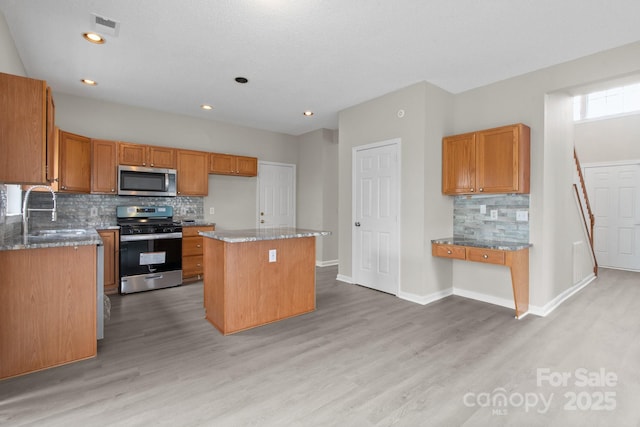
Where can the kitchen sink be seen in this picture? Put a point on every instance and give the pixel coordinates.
(58, 233)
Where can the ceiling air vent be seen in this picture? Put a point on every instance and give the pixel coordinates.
(104, 25)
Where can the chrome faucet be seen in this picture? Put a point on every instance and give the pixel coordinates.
(25, 210)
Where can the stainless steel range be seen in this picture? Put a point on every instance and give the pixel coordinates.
(150, 248)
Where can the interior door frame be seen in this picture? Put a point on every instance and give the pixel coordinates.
(397, 143)
(295, 190)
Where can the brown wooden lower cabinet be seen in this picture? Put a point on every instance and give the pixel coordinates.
(111, 241)
(516, 260)
(192, 252)
(48, 315)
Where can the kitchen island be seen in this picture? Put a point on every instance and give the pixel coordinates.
(257, 276)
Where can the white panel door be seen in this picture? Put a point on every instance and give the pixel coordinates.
(277, 195)
(376, 193)
(614, 194)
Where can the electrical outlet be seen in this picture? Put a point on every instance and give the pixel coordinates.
(272, 255)
(522, 216)
(494, 214)
(212, 211)
(94, 211)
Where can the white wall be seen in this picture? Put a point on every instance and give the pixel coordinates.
(234, 198)
(524, 99)
(10, 61)
(541, 100)
(317, 205)
(424, 213)
(608, 140)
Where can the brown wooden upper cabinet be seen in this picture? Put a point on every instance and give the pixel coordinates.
(227, 164)
(488, 161)
(74, 163)
(27, 120)
(146, 155)
(193, 179)
(104, 165)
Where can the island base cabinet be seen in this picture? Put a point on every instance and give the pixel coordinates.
(242, 289)
(48, 315)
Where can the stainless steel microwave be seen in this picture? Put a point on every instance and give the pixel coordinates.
(141, 181)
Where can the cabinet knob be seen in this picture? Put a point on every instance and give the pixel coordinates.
(485, 256)
(113, 190)
(198, 246)
(198, 265)
(449, 251)
(472, 190)
(144, 163)
(152, 165)
(481, 190)
(262, 221)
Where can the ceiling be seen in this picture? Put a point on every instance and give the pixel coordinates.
(319, 55)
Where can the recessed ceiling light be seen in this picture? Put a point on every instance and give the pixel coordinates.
(94, 38)
(242, 80)
(206, 107)
(308, 113)
(89, 82)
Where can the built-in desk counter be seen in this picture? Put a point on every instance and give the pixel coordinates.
(512, 255)
(258, 276)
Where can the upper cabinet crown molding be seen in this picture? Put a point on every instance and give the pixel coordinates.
(490, 161)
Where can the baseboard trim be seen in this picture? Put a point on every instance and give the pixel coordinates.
(425, 299)
(326, 263)
(555, 303)
(503, 302)
(346, 279)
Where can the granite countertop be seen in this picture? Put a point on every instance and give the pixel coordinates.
(487, 244)
(255, 234)
(17, 241)
(196, 223)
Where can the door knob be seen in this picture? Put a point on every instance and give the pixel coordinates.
(357, 224)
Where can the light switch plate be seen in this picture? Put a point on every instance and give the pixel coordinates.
(522, 216)
(272, 255)
(212, 211)
(494, 214)
(94, 211)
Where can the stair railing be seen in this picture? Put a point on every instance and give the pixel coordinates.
(589, 214)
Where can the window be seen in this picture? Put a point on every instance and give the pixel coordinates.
(14, 200)
(610, 102)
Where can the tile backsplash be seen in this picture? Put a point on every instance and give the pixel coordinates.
(469, 222)
(75, 210)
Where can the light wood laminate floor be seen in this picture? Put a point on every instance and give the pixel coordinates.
(362, 358)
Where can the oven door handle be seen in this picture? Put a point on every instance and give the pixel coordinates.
(159, 236)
